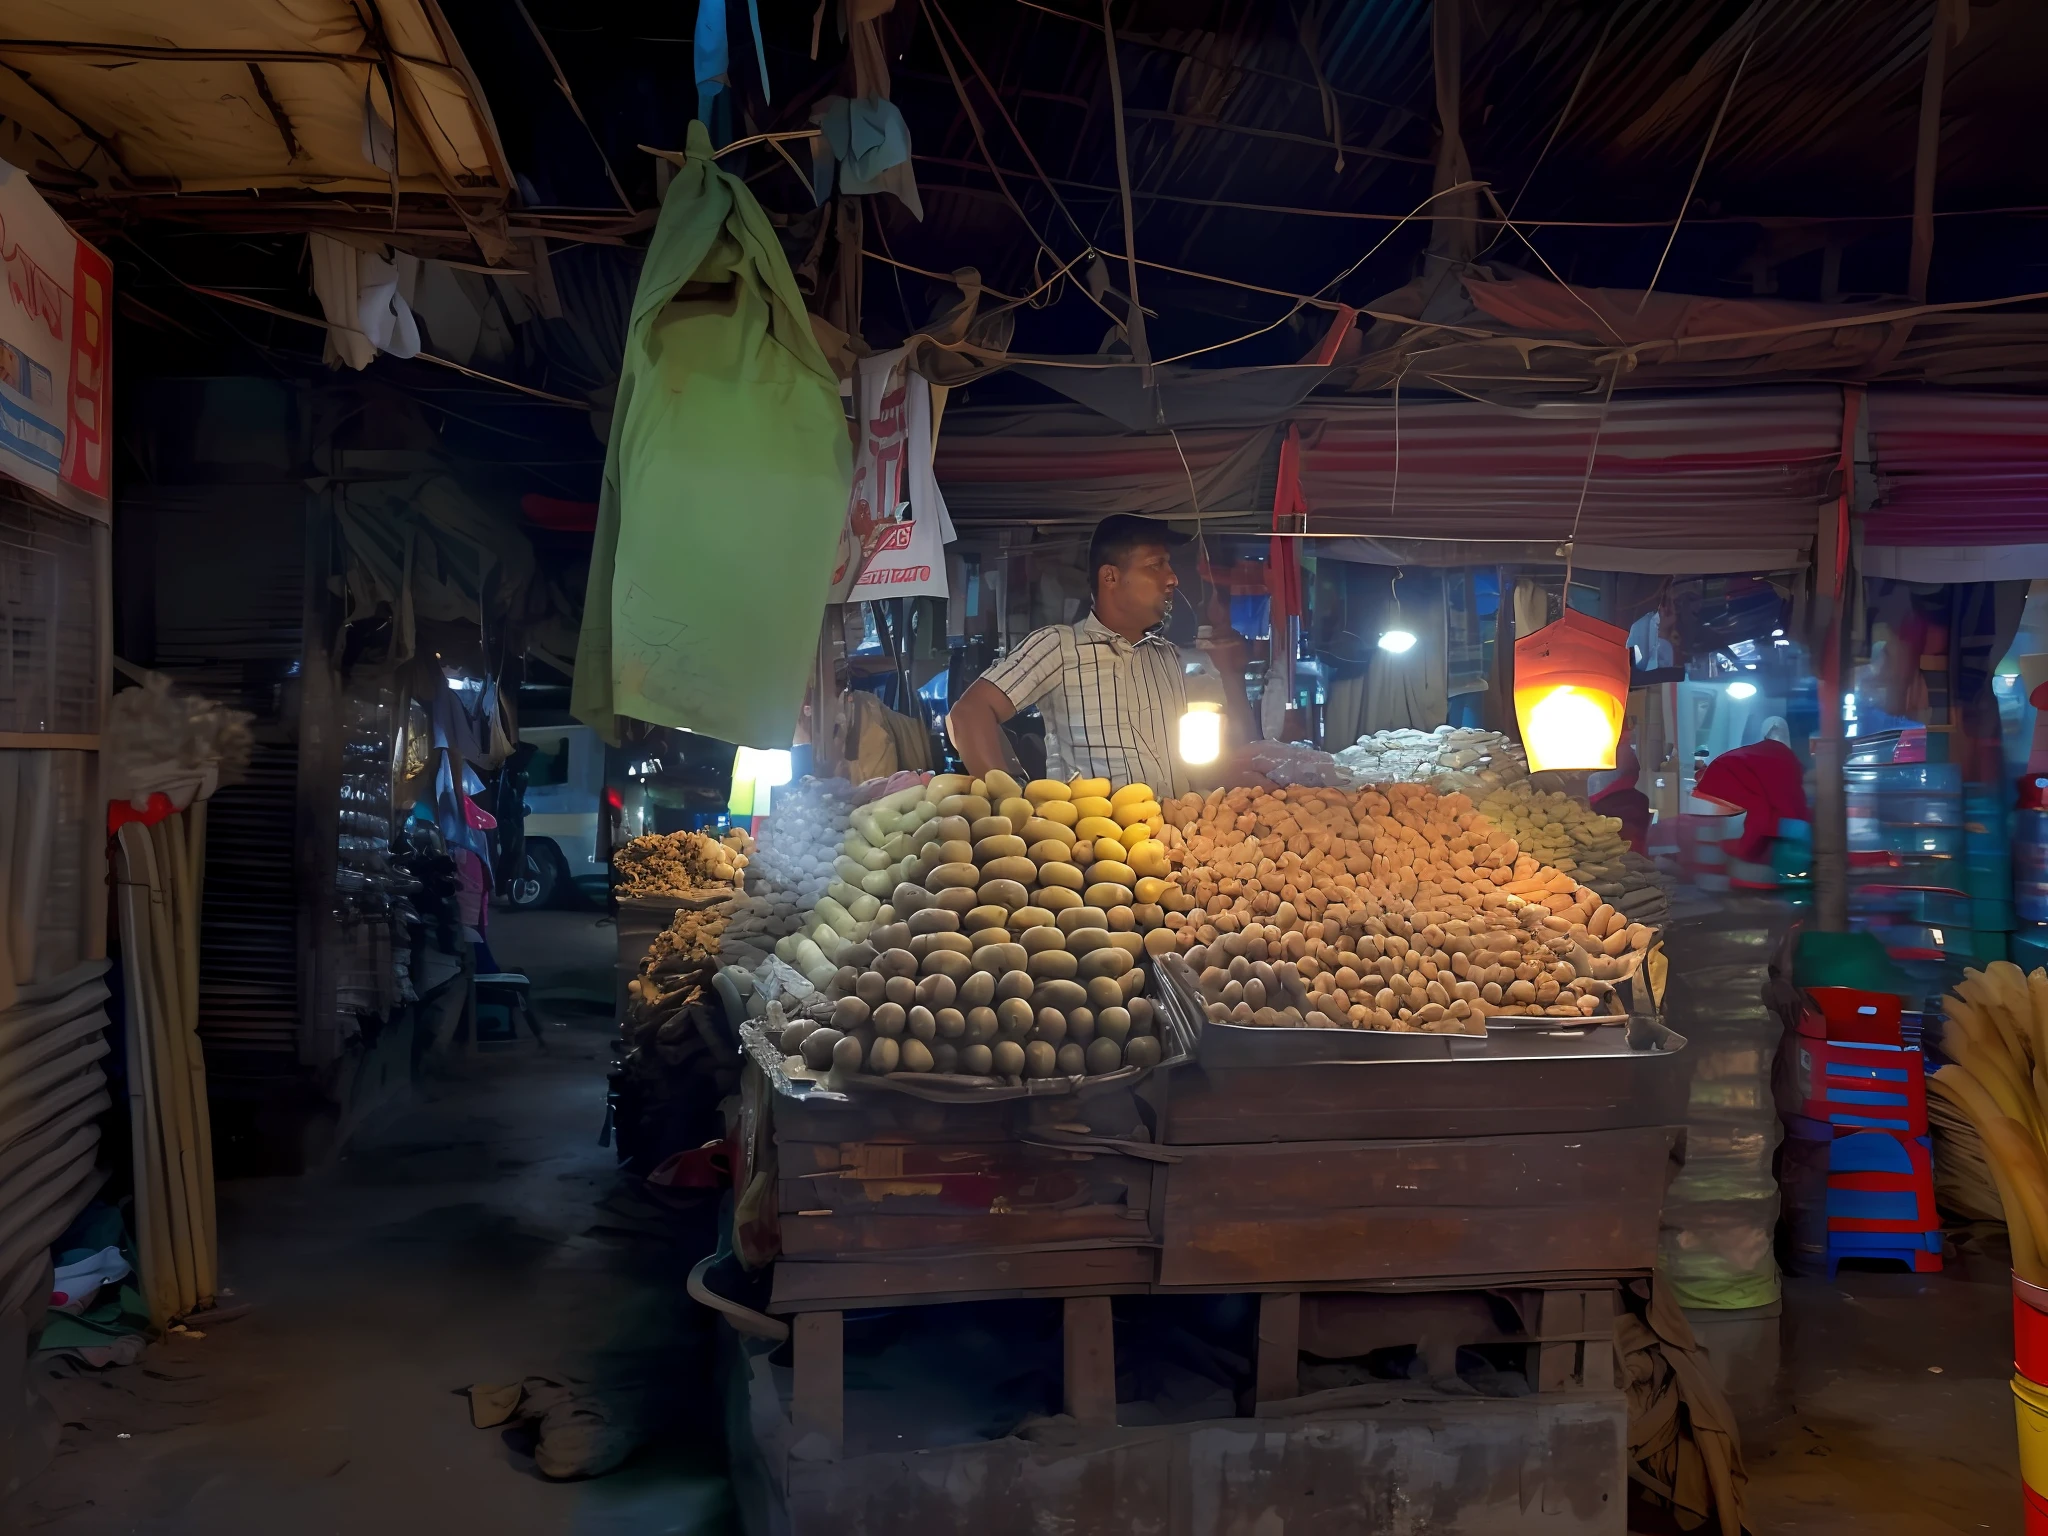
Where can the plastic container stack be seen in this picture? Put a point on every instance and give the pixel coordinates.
(2029, 844)
(2030, 1397)
(1907, 868)
(1722, 1209)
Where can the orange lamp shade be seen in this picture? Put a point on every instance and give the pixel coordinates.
(1571, 690)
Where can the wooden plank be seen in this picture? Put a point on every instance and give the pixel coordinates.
(818, 1371)
(803, 1285)
(1365, 1101)
(1088, 1353)
(1335, 1213)
(814, 1237)
(1278, 1373)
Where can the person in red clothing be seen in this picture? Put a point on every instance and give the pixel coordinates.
(1765, 779)
(1614, 793)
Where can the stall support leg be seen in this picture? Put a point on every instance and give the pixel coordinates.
(1279, 1364)
(1089, 1337)
(1557, 1360)
(1596, 1371)
(818, 1391)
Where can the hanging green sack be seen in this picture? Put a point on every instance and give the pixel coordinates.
(725, 482)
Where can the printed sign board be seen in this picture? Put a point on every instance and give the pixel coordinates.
(56, 345)
(897, 526)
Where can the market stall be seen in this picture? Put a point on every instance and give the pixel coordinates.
(1348, 1052)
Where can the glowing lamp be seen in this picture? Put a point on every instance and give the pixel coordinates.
(1397, 641)
(756, 773)
(1571, 690)
(1742, 690)
(1201, 733)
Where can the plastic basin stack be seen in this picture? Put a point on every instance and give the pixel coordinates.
(1908, 880)
(2030, 1396)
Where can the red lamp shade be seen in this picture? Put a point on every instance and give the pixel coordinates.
(1571, 691)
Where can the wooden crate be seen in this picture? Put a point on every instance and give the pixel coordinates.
(1296, 1215)
(882, 1195)
(1514, 1083)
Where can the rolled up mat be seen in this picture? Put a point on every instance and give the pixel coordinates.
(81, 1057)
(18, 1191)
(26, 1257)
(88, 1085)
(18, 1155)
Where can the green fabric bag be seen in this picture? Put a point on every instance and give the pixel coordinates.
(725, 482)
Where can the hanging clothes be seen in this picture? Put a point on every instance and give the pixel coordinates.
(367, 300)
(725, 482)
(868, 144)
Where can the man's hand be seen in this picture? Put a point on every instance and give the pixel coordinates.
(976, 726)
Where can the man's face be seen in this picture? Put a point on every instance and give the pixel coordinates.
(1141, 589)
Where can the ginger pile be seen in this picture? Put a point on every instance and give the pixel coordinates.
(680, 863)
(1396, 908)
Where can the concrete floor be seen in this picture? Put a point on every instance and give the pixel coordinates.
(480, 1234)
(1889, 1413)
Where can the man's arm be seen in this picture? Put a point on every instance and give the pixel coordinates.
(976, 726)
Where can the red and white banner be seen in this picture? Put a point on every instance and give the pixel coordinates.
(897, 527)
(56, 345)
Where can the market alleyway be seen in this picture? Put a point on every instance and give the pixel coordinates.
(478, 1234)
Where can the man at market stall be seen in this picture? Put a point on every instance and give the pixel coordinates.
(1111, 689)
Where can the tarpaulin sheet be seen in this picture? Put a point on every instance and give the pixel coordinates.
(328, 106)
(1063, 464)
(725, 482)
(1958, 469)
(1725, 481)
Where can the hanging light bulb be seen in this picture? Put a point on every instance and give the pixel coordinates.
(1201, 723)
(1201, 733)
(1571, 690)
(1742, 690)
(1397, 637)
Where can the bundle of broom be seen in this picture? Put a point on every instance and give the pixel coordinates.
(1996, 1040)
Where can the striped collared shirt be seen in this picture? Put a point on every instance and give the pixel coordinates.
(1111, 709)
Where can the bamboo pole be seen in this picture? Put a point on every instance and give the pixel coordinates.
(152, 1230)
(175, 1080)
(168, 1062)
(202, 1110)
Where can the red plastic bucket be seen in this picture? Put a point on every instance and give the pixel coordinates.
(2030, 1330)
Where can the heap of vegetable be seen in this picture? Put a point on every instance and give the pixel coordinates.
(677, 864)
(1393, 909)
(792, 870)
(1996, 1039)
(1009, 946)
(877, 854)
(1564, 834)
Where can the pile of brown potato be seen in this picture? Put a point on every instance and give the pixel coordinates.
(1394, 908)
(1013, 950)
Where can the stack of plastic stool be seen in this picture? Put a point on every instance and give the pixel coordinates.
(1860, 1092)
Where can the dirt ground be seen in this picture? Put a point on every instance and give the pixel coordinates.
(479, 1234)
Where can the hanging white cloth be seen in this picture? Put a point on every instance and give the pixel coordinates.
(367, 299)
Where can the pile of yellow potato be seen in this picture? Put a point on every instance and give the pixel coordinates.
(1013, 948)
(680, 863)
(1393, 908)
